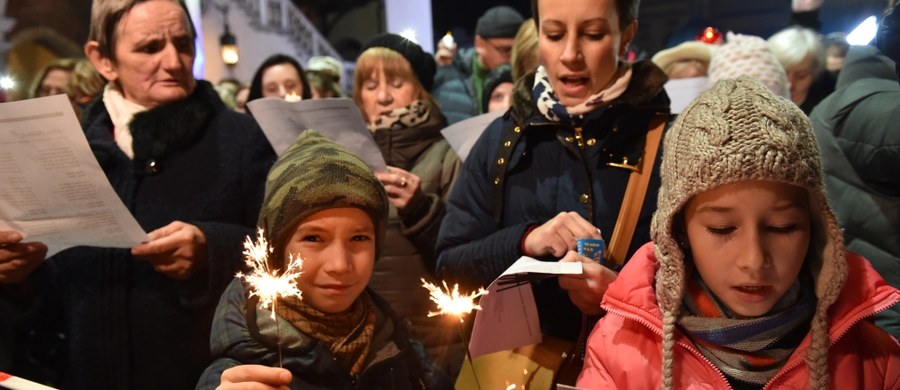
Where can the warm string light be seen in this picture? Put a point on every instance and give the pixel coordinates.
(293, 97)
(265, 282)
(452, 302)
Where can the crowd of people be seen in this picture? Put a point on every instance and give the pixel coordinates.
(753, 237)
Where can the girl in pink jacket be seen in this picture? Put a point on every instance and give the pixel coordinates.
(748, 284)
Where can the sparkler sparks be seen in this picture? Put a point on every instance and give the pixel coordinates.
(451, 302)
(265, 282)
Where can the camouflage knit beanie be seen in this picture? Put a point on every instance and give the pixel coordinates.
(736, 131)
(312, 175)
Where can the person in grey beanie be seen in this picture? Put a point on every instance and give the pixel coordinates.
(747, 283)
(459, 87)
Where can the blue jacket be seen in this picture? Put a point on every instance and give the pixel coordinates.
(547, 173)
(245, 334)
(454, 88)
(126, 326)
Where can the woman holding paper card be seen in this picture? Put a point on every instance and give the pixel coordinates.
(393, 76)
(555, 168)
(192, 174)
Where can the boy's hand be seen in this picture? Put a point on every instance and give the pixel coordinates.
(255, 377)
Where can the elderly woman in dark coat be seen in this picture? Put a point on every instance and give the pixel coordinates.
(192, 174)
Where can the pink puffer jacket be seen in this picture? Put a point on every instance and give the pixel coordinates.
(624, 349)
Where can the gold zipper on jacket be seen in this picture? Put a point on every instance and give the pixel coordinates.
(578, 138)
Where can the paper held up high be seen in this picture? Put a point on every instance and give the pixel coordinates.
(338, 119)
(462, 135)
(508, 317)
(53, 189)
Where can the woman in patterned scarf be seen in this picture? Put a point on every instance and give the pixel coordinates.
(554, 168)
(391, 84)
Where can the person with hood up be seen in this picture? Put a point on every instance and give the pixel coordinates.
(747, 283)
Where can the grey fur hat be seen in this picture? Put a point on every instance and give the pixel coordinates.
(739, 130)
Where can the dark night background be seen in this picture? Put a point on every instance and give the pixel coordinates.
(668, 22)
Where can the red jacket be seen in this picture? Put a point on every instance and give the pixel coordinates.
(624, 349)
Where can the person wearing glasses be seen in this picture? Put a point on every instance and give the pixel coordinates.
(458, 87)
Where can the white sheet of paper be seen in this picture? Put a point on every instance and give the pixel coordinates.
(683, 91)
(13, 382)
(337, 119)
(462, 135)
(508, 317)
(53, 189)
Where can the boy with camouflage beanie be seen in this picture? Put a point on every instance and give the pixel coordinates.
(747, 283)
(323, 204)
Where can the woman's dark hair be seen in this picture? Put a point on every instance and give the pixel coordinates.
(277, 59)
(627, 10)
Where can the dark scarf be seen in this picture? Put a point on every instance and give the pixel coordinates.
(348, 335)
(163, 129)
(406, 132)
(752, 350)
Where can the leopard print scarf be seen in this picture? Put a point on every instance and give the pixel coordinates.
(413, 115)
(548, 103)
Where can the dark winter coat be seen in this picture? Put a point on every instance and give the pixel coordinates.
(127, 326)
(454, 88)
(856, 129)
(246, 334)
(548, 173)
(407, 254)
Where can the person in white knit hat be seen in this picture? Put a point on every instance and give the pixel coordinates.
(748, 55)
(747, 283)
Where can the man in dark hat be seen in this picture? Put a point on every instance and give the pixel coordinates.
(458, 87)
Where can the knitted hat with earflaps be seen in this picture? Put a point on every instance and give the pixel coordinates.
(736, 131)
(312, 175)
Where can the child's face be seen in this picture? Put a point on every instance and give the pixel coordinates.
(749, 240)
(338, 250)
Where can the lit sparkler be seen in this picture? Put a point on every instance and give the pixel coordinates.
(452, 302)
(267, 283)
